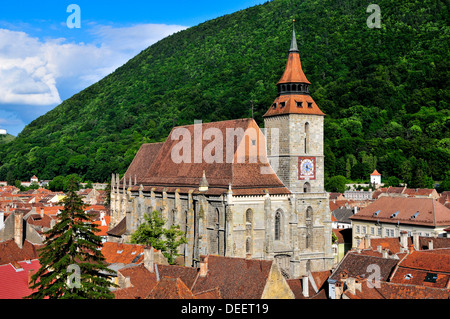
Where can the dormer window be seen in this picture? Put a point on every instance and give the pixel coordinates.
(299, 104)
(310, 105)
(395, 214)
(415, 215)
(282, 104)
(274, 105)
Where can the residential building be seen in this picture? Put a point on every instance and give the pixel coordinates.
(388, 216)
(217, 276)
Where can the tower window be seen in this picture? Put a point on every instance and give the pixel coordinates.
(282, 104)
(310, 105)
(306, 138)
(299, 104)
(307, 188)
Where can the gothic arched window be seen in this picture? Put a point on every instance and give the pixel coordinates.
(249, 216)
(277, 226)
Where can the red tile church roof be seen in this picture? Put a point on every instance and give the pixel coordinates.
(155, 167)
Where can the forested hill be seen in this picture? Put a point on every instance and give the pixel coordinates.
(385, 91)
(6, 138)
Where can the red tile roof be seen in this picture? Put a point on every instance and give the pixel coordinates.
(161, 171)
(290, 105)
(375, 173)
(123, 253)
(142, 283)
(14, 281)
(294, 71)
(415, 268)
(171, 288)
(389, 290)
(10, 252)
(236, 278)
(431, 212)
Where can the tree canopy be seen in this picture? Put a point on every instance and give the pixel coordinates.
(385, 91)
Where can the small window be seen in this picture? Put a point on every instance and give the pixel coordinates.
(277, 226)
(408, 276)
(379, 231)
(299, 104)
(282, 104)
(254, 142)
(431, 277)
(310, 105)
(357, 229)
(274, 105)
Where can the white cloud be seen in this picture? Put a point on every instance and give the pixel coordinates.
(34, 72)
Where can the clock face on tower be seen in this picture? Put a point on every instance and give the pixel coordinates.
(306, 168)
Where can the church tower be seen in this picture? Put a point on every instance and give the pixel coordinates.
(294, 126)
(295, 138)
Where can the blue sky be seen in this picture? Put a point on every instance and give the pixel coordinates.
(43, 61)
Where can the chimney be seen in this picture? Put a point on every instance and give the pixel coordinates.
(367, 242)
(404, 240)
(31, 272)
(430, 245)
(351, 285)
(379, 248)
(203, 266)
(305, 286)
(149, 260)
(416, 241)
(2, 223)
(355, 210)
(18, 229)
(42, 212)
(386, 253)
(338, 289)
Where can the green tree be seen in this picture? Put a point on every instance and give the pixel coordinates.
(153, 233)
(174, 238)
(393, 181)
(336, 184)
(150, 232)
(57, 184)
(72, 245)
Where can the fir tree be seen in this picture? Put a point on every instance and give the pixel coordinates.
(72, 266)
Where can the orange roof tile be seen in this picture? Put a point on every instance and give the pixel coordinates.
(294, 72)
(375, 173)
(123, 253)
(290, 104)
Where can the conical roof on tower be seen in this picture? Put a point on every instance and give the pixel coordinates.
(293, 88)
(294, 72)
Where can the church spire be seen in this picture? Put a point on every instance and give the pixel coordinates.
(293, 87)
(293, 80)
(294, 47)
